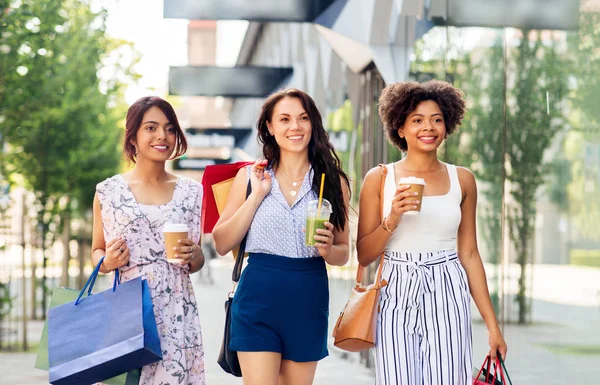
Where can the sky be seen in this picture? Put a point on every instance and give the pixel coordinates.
(162, 42)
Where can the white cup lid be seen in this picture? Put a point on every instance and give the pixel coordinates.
(412, 180)
(326, 207)
(175, 228)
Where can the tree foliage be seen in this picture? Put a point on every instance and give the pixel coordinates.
(58, 118)
(534, 116)
(576, 182)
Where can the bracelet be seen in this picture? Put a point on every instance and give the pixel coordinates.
(385, 226)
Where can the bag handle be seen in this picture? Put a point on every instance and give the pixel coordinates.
(360, 270)
(503, 370)
(239, 261)
(499, 367)
(89, 284)
(487, 362)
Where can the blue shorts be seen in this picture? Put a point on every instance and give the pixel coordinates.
(282, 305)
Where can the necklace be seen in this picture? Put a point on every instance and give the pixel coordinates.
(294, 183)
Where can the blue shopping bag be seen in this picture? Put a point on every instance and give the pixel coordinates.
(102, 335)
(60, 296)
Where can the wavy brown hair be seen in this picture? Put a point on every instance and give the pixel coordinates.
(321, 153)
(399, 100)
(135, 114)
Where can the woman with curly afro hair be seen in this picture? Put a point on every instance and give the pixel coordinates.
(432, 263)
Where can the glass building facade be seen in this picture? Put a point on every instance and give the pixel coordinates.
(532, 138)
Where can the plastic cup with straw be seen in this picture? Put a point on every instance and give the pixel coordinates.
(318, 212)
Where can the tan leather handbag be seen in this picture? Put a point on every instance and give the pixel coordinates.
(355, 328)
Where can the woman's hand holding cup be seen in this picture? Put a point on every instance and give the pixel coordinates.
(404, 200)
(117, 254)
(186, 250)
(324, 239)
(174, 234)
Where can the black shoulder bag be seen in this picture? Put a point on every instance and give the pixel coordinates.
(228, 359)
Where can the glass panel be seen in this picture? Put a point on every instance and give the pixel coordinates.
(533, 98)
(472, 59)
(531, 136)
(553, 203)
(346, 138)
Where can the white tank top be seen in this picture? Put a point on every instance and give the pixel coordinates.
(435, 227)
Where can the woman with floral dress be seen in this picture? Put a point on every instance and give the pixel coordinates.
(130, 211)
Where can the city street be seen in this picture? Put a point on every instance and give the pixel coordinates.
(536, 352)
(17, 368)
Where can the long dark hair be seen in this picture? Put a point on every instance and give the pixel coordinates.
(321, 153)
(135, 114)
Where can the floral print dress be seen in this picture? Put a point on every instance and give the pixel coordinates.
(170, 286)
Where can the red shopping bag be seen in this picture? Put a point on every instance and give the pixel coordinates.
(485, 375)
(216, 182)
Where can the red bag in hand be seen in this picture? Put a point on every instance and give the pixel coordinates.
(216, 181)
(486, 377)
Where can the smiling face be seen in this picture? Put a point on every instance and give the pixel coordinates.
(290, 125)
(156, 137)
(424, 128)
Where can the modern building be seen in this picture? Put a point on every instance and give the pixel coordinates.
(529, 70)
(205, 119)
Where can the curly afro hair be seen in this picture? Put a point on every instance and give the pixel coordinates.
(399, 100)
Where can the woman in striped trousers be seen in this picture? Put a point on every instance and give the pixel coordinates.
(432, 263)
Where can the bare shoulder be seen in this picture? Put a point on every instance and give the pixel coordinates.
(345, 188)
(465, 175)
(371, 185)
(467, 181)
(373, 177)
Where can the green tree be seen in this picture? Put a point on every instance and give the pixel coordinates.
(585, 50)
(61, 128)
(534, 116)
(517, 92)
(522, 99)
(576, 180)
(477, 144)
(484, 122)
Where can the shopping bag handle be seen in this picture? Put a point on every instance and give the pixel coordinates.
(487, 362)
(89, 284)
(499, 367)
(503, 370)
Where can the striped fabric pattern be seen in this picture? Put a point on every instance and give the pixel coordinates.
(424, 327)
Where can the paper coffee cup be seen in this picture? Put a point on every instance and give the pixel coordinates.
(416, 185)
(173, 232)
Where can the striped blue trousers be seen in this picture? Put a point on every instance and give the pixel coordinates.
(424, 326)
